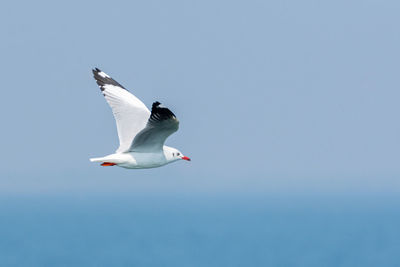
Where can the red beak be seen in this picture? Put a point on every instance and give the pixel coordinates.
(186, 158)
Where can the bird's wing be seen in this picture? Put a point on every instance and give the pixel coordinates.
(162, 123)
(130, 113)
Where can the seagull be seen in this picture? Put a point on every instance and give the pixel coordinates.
(141, 133)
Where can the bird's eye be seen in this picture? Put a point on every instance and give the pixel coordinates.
(178, 154)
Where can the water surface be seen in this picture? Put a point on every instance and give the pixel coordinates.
(165, 231)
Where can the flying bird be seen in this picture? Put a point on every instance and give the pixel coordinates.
(141, 133)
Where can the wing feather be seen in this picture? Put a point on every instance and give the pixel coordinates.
(130, 114)
(161, 124)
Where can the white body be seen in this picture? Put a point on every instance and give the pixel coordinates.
(134, 160)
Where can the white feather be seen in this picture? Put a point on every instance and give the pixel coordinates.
(130, 114)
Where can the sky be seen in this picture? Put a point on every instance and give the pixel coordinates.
(273, 97)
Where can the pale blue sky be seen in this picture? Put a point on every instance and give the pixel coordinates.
(273, 96)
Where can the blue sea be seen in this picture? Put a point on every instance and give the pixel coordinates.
(198, 231)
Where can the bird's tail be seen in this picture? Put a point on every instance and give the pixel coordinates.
(96, 159)
(104, 161)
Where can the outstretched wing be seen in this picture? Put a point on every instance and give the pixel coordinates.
(130, 113)
(161, 124)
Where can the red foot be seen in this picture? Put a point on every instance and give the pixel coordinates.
(108, 164)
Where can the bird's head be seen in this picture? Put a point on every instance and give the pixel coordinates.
(175, 154)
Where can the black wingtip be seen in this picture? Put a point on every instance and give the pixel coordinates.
(159, 113)
(155, 105)
(96, 70)
(103, 79)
